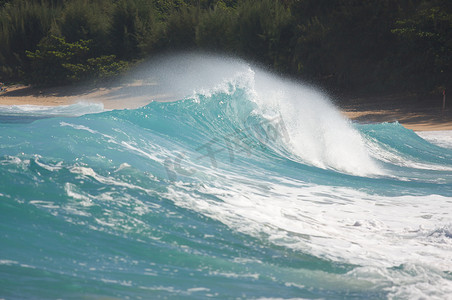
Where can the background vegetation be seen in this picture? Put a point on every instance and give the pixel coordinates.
(343, 45)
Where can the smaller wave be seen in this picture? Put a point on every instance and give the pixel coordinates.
(394, 144)
(442, 138)
(29, 113)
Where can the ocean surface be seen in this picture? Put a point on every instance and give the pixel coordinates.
(253, 187)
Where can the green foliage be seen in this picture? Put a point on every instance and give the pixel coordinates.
(49, 60)
(166, 7)
(259, 28)
(86, 20)
(59, 62)
(133, 28)
(22, 25)
(103, 67)
(376, 45)
(348, 45)
(214, 30)
(124, 31)
(427, 40)
(180, 29)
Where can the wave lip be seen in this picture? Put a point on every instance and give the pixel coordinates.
(313, 130)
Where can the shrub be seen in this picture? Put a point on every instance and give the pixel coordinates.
(59, 62)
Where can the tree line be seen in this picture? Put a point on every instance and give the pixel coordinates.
(343, 45)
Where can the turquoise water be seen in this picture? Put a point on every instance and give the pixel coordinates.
(256, 188)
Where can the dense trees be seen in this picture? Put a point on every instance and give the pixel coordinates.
(57, 61)
(377, 45)
(425, 40)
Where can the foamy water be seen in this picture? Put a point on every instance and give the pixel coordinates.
(249, 186)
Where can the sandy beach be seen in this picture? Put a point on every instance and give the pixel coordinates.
(415, 114)
(418, 114)
(111, 97)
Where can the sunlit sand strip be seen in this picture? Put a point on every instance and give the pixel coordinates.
(120, 97)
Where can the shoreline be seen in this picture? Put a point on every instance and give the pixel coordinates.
(415, 115)
(110, 97)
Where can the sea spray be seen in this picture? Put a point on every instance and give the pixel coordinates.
(319, 134)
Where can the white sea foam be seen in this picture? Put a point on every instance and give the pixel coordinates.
(73, 110)
(442, 138)
(336, 223)
(394, 157)
(318, 133)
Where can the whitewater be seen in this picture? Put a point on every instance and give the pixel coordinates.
(246, 186)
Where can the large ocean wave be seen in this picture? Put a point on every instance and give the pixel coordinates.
(249, 186)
